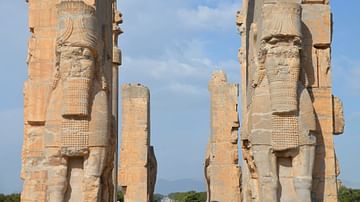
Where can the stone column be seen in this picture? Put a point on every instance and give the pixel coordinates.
(138, 167)
(68, 145)
(117, 59)
(222, 171)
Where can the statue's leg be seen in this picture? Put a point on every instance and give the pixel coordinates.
(265, 162)
(93, 169)
(303, 165)
(57, 178)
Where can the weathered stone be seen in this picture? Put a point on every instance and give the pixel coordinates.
(68, 150)
(288, 123)
(339, 120)
(138, 166)
(315, 1)
(317, 31)
(222, 170)
(317, 67)
(324, 67)
(286, 1)
(309, 74)
(116, 61)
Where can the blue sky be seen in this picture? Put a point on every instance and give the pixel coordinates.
(172, 47)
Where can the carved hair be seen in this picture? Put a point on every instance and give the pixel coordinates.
(77, 25)
(281, 20)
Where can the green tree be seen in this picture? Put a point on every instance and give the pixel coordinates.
(349, 195)
(196, 197)
(10, 198)
(191, 196)
(120, 196)
(157, 197)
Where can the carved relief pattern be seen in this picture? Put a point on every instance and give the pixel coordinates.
(285, 133)
(77, 50)
(76, 96)
(282, 69)
(75, 134)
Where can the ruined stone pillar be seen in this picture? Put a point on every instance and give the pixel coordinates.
(222, 171)
(138, 166)
(117, 60)
(289, 112)
(68, 149)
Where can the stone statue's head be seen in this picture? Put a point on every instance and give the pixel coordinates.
(280, 53)
(76, 54)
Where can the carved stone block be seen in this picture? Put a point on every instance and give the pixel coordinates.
(309, 60)
(324, 67)
(317, 25)
(37, 97)
(117, 56)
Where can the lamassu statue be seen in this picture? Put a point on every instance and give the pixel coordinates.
(77, 129)
(281, 120)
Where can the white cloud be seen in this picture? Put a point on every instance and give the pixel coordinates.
(346, 75)
(186, 89)
(187, 76)
(204, 18)
(175, 61)
(161, 69)
(153, 27)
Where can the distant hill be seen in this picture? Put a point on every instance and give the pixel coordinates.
(165, 187)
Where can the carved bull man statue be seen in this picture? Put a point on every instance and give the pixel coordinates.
(77, 126)
(281, 116)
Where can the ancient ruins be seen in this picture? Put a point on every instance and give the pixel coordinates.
(138, 166)
(289, 114)
(222, 170)
(71, 101)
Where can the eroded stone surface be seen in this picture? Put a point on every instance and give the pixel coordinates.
(138, 166)
(289, 114)
(222, 171)
(69, 141)
(339, 120)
